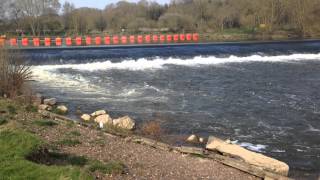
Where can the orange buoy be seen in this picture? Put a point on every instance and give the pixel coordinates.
(147, 38)
(115, 40)
(155, 38)
(88, 40)
(25, 41)
(78, 41)
(68, 41)
(169, 38)
(124, 39)
(47, 41)
(195, 37)
(97, 40)
(140, 39)
(13, 42)
(58, 41)
(107, 40)
(132, 39)
(36, 42)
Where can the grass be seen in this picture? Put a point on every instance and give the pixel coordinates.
(31, 108)
(75, 133)
(107, 168)
(69, 142)
(45, 123)
(12, 110)
(15, 146)
(3, 121)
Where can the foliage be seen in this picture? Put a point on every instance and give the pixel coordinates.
(15, 146)
(152, 128)
(31, 108)
(3, 121)
(12, 110)
(14, 73)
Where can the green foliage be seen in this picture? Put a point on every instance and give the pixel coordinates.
(12, 110)
(69, 142)
(107, 168)
(15, 146)
(3, 121)
(45, 123)
(75, 133)
(31, 108)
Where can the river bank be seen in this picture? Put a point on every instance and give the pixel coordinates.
(139, 161)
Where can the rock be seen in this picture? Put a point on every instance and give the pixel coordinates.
(44, 107)
(63, 109)
(86, 117)
(125, 123)
(256, 159)
(193, 139)
(51, 101)
(201, 140)
(98, 113)
(105, 119)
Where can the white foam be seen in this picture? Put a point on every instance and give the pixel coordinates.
(250, 146)
(143, 64)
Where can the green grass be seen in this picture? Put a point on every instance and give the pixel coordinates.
(69, 142)
(12, 109)
(75, 133)
(45, 123)
(107, 168)
(15, 146)
(3, 121)
(31, 108)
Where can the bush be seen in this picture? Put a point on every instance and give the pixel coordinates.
(12, 110)
(3, 121)
(69, 142)
(13, 73)
(152, 128)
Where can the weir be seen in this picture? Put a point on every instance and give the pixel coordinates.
(98, 41)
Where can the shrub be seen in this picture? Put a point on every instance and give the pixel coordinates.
(152, 128)
(31, 108)
(13, 73)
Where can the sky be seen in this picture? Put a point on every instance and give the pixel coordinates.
(101, 3)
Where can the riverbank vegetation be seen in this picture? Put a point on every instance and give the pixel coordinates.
(216, 19)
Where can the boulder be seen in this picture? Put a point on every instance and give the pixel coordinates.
(86, 117)
(98, 113)
(51, 101)
(63, 109)
(104, 119)
(125, 123)
(193, 139)
(44, 107)
(201, 140)
(253, 158)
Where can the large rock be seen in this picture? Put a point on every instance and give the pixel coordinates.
(104, 119)
(249, 157)
(193, 139)
(98, 113)
(51, 101)
(44, 107)
(86, 117)
(125, 123)
(63, 109)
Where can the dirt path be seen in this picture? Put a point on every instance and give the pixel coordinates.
(142, 162)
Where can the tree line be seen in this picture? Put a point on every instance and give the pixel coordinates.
(49, 17)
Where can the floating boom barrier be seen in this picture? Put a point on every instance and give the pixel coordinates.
(96, 41)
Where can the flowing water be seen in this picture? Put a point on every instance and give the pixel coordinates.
(264, 96)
